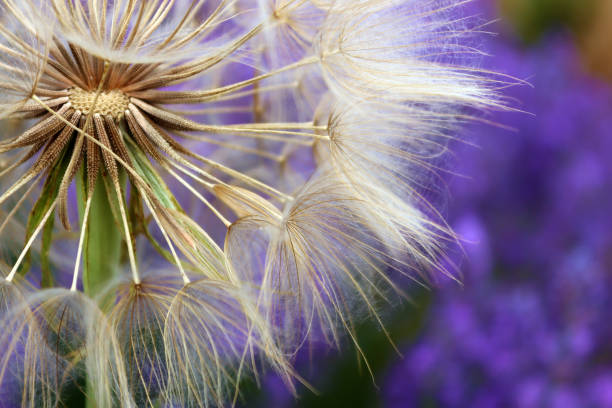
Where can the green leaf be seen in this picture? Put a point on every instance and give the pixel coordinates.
(203, 253)
(142, 166)
(45, 266)
(141, 225)
(47, 196)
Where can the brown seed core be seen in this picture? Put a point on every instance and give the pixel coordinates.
(113, 103)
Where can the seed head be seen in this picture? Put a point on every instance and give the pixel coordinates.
(111, 103)
(306, 135)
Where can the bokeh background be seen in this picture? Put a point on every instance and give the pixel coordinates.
(531, 325)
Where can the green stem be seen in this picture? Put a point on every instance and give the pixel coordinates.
(101, 248)
(103, 241)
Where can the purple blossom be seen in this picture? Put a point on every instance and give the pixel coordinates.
(529, 327)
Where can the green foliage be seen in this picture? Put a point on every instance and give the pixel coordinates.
(43, 204)
(343, 380)
(533, 18)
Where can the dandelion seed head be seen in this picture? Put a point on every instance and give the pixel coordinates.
(279, 155)
(112, 103)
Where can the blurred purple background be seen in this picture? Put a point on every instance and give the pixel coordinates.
(530, 326)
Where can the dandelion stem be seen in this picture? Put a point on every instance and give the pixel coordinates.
(248, 92)
(103, 240)
(25, 250)
(128, 235)
(11, 167)
(241, 176)
(257, 152)
(262, 135)
(17, 205)
(177, 97)
(186, 279)
(18, 184)
(200, 197)
(77, 262)
(185, 170)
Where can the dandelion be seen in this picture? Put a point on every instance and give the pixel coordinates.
(307, 135)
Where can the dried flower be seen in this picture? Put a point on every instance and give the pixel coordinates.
(312, 142)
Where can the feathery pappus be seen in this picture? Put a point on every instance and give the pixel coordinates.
(260, 167)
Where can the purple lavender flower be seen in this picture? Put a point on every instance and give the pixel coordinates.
(529, 326)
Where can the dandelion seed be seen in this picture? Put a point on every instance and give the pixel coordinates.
(45, 346)
(321, 264)
(24, 47)
(305, 135)
(210, 338)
